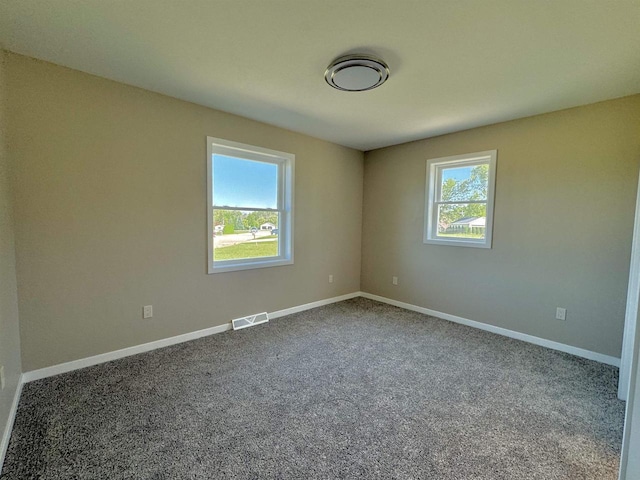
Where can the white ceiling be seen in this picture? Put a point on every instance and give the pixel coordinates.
(455, 64)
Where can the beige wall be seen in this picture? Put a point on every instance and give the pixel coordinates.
(9, 329)
(110, 208)
(565, 199)
(110, 215)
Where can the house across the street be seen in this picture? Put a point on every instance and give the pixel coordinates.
(469, 222)
(467, 225)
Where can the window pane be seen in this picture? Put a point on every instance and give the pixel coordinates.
(462, 220)
(464, 183)
(244, 183)
(241, 234)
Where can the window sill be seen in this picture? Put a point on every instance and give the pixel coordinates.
(249, 264)
(457, 243)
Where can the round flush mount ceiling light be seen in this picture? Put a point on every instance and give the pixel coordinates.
(356, 73)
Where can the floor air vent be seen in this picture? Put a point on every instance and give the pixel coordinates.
(250, 321)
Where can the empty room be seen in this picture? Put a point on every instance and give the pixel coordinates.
(289, 239)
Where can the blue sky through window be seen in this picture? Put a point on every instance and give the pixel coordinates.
(458, 174)
(244, 183)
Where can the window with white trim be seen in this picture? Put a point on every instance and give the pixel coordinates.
(249, 206)
(459, 199)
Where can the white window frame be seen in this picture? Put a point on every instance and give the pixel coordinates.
(286, 165)
(432, 193)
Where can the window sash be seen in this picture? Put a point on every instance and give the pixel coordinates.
(441, 168)
(435, 224)
(281, 247)
(280, 209)
(280, 201)
(248, 209)
(455, 202)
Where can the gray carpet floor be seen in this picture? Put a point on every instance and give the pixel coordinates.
(356, 389)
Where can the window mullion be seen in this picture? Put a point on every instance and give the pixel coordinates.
(246, 209)
(459, 202)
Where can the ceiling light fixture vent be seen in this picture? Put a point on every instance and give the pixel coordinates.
(356, 73)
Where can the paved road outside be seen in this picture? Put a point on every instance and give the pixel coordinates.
(234, 238)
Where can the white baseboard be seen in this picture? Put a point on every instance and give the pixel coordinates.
(165, 342)
(578, 352)
(117, 354)
(6, 435)
(309, 306)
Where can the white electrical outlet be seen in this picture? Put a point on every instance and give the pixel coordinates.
(1, 377)
(561, 313)
(394, 280)
(147, 311)
(330, 278)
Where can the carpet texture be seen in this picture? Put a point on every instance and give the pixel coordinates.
(356, 389)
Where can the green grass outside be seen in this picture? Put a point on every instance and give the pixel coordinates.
(246, 250)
